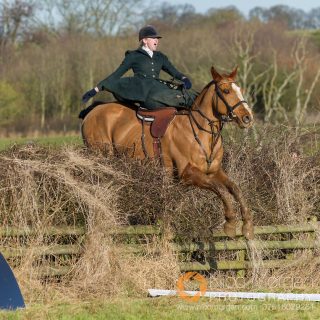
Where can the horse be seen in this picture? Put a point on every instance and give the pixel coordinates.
(192, 145)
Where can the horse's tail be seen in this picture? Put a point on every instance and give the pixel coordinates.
(85, 111)
(82, 135)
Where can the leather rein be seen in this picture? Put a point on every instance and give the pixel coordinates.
(215, 129)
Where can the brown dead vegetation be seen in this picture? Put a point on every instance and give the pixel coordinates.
(277, 169)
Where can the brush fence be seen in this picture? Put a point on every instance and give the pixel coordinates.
(276, 246)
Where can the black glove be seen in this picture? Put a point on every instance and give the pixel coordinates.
(91, 93)
(187, 83)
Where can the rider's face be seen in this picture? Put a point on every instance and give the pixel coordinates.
(151, 43)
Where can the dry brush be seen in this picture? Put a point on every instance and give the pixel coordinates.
(277, 169)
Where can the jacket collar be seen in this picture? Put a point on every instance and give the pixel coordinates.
(155, 53)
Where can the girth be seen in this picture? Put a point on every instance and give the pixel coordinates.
(159, 121)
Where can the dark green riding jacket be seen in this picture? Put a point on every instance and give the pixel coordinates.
(146, 75)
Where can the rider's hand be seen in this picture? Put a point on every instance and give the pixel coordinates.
(187, 83)
(91, 93)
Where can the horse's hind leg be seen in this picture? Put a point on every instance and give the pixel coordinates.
(247, 227)
(192, 175)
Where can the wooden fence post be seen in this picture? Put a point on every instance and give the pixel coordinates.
(241, 255)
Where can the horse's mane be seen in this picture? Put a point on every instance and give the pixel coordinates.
(205, 89)
(199, 98)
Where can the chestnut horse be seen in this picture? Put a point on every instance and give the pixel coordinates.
(192, 144)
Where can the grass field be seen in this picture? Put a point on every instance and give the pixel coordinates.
(53, 141)
(170, 308)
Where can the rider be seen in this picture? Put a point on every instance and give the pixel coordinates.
(145, 87)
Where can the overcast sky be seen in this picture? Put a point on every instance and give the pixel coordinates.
(246, 5)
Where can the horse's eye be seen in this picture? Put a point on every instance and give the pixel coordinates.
(226, 91)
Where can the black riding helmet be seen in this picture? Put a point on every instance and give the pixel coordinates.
(148, 32)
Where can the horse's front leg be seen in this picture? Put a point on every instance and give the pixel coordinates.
(194, 176)
(247, 227)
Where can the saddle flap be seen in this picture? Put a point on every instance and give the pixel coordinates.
(162, 117)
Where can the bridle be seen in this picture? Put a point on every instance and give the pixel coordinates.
(230, 115)
(215, 129)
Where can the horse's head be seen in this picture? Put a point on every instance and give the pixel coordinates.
(228, 101)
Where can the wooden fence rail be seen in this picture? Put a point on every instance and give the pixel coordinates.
(310, 226)
(218, 243)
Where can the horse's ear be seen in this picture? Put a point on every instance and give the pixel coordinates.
(233, 74)
(215, 75)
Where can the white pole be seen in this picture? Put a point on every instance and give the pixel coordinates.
(242, 295)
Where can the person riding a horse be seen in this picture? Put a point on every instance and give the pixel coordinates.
(145, 87)
(189, 145)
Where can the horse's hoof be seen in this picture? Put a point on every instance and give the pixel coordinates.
(247, 230)
(230, 229)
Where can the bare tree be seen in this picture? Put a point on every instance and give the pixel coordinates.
(15, 16)
(99, 17)
(243, 52)
(313, 20)
(171, 15)
(303, 94)
(276, 82)
(291, 17)
(273, 89)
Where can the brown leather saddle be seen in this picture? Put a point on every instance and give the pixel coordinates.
(159, 121)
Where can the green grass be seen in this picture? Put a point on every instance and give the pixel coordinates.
(54, 141)
(170, 308)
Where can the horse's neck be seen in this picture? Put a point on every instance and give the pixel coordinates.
(203, 103)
